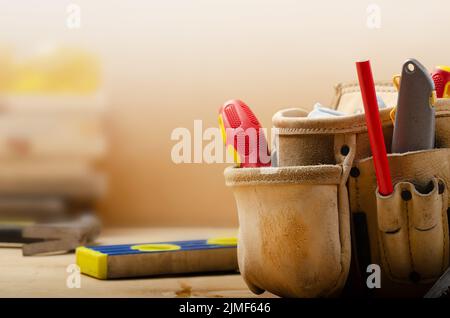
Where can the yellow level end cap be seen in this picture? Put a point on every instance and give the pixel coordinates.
(91, 262)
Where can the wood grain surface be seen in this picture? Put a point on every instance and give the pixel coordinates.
(45, 276)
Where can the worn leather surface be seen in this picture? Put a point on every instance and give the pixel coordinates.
(406, 238)
(325, 174)
(413, 233)
(348, 96)
(290, 240)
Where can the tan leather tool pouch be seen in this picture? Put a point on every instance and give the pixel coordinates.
(294, 229)
(295, 219)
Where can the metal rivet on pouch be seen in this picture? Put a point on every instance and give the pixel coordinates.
(414, 277)
(441, 187)
(345, 150)
(406, 195)
(354, 172)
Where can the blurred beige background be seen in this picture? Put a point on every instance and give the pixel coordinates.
(167, 63)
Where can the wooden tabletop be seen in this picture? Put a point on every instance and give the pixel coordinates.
(45, 276)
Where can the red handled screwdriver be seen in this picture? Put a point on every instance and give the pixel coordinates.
(243, 135)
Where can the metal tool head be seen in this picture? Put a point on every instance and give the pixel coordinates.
(441, 288)
(414, 127)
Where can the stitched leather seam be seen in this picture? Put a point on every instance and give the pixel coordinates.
(285, 181)
(353, 129)
(344, 129)
(381, 246)
(377, 83)
(356, 90)
(352, 153)
(341, 272)
(409, 237)
(378, 86)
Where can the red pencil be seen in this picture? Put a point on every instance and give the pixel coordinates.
(374, 128)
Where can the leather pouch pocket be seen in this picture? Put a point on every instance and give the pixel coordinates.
(413, 231)
(301, 146)
(407, 230)
(294, 229)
